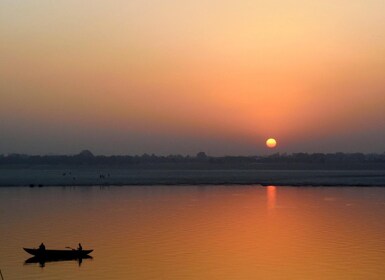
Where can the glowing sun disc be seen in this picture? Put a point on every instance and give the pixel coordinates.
(271, 143)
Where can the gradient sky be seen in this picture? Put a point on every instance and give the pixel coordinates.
(220, 76)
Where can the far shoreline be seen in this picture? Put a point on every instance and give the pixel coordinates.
(103, 177)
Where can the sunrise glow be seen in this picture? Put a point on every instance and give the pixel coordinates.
(183, 76)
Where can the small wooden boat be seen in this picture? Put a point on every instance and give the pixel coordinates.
(58, 254)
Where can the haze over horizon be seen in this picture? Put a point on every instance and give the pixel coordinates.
(180, 77)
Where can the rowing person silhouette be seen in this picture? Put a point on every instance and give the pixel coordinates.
(42, 248)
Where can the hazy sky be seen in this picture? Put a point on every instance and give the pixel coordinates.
(171, 76)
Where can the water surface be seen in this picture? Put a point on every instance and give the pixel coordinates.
(196, 232)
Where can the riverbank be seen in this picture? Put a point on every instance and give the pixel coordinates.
(91, 176)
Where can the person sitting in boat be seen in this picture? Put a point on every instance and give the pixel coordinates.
(42, 247)
(80, 248)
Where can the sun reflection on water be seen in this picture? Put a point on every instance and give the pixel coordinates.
(271, 197)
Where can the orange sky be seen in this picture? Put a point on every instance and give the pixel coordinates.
(183, 76)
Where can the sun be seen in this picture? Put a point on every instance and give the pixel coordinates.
(271, 143)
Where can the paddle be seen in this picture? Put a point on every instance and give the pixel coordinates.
(1, 275)
(70, 248)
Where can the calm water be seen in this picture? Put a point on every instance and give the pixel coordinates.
(197, 232)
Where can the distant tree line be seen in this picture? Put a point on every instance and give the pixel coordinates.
(201, 160)
(324, 158)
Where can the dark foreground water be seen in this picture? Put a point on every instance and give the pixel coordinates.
(197, 232)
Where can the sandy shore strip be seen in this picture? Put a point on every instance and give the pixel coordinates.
(65, 176)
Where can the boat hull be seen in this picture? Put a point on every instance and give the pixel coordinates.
(58, 254)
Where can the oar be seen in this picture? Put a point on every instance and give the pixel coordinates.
(70, 248)
(1, 275)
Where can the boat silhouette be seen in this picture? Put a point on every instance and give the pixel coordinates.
(58, 254)
(45, 256)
